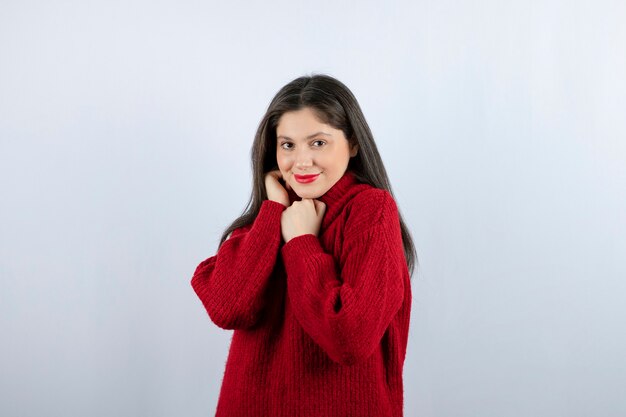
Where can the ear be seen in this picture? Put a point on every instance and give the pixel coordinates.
(354, 150)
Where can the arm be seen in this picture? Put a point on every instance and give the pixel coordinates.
(347, 306)
(231, 283)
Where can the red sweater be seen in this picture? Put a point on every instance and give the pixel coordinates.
(320, 323)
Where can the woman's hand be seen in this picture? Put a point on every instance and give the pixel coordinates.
(301, 218)
(275, 190)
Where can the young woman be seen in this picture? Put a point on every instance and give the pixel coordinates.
(314, 278)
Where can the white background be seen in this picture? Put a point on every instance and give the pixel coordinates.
(125, 132)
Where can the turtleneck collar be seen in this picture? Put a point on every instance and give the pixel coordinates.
(335, 198)
(338, 191)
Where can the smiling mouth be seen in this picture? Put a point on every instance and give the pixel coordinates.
(306, 178)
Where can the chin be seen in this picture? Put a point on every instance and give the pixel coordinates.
(307, 194)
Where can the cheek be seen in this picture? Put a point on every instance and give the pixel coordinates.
(282, 161)
(327, 159)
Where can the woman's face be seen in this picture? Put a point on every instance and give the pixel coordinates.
(306, 146)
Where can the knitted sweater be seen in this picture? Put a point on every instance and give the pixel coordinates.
(320, 322)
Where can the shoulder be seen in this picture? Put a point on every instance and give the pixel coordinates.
(370, 207)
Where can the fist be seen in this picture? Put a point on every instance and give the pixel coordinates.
(301, 218)
(274, 189)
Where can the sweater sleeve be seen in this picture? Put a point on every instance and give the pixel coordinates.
(231, 283)
(347, 305)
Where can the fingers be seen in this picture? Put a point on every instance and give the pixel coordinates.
(275, 173)
(320, 207)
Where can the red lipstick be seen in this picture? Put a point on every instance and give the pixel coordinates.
(305, 179)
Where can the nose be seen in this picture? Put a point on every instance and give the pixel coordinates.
(303, 158)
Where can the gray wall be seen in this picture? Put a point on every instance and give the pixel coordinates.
(125, 130)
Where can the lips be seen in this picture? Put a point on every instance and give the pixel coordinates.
(306, 178)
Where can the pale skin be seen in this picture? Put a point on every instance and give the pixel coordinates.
(305, 145)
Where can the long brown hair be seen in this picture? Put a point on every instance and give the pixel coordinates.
(335, 105)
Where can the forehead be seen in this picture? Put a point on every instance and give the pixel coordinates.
(301, 124)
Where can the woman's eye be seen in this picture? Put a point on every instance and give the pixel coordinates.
(282, 145)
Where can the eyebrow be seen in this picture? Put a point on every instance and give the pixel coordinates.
(308, 137)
